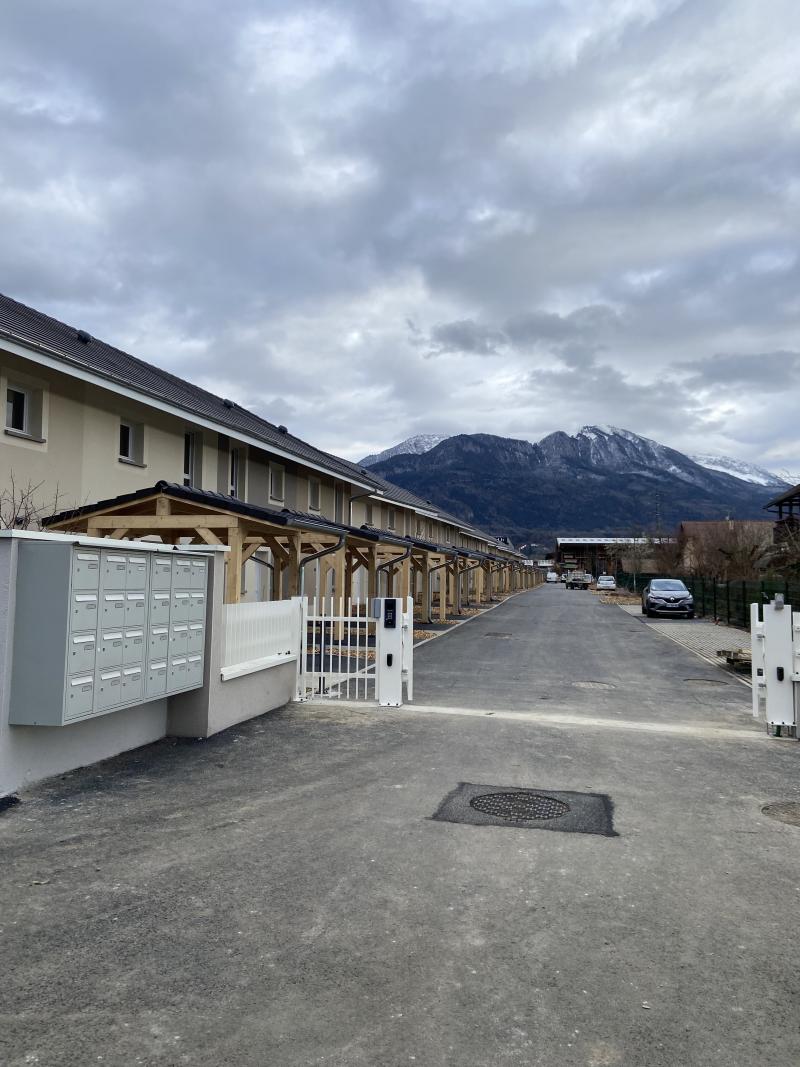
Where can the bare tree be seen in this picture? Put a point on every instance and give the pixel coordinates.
(728, 550)
(22, 507)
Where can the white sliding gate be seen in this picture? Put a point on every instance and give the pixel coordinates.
(356, 650)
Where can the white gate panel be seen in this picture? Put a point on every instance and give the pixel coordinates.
(337, 660)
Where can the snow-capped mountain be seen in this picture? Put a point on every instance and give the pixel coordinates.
(414, 446)
(602, 480)
(748, 472)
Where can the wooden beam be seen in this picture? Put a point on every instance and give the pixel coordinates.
(164, 522)
(208, 536)
(119, 533)
(294, 565)
(163, 506)
(250, 549)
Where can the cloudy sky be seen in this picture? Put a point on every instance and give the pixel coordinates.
(373, 218)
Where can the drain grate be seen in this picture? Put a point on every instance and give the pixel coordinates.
(504, 635)
(787, 811)
(705, 681)
(520, 806)
(528, 808)
(594, 685)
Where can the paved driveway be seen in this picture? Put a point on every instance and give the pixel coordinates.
(280, 896)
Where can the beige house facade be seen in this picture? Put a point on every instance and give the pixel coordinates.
(85, 422)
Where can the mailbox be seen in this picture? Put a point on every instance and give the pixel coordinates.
(100, 629)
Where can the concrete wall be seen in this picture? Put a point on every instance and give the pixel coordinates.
(30, 753)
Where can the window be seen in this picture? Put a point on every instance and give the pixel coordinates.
(338, 504)
(125, 440)
(192, 458)
(235, 469)
(368, 517)
(131, 442)
(391, 518)
(313, 494)
(17, 410)
(276, 482)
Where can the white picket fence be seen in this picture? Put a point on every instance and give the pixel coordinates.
(260, 635)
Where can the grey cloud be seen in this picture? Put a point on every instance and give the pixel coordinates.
(262, 196)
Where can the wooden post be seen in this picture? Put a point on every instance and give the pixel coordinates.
(479, 585)
(426, 587)
(372, 571)
(233, 568)
(294, 565)
(277, 578)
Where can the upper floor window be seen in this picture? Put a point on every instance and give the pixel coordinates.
(338, 504)
(276, 482)
(391, 518)
(313, 494)
(234, 481)
(17, 410)
(192, 457)
(131, 441)
(369, 514)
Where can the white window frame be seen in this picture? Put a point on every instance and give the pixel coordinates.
(135, 458)
(26, 408)
(192, 470)
(235, 473)
(369, 515)
(391, 518)
(314, 483)
(277, 471)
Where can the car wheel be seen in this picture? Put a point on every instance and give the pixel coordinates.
(689, 614)
(644, 610)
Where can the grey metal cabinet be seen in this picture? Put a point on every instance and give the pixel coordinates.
(100, 629)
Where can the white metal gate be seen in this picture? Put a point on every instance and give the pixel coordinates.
(347, 654)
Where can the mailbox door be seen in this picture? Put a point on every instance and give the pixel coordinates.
(132, 685)
(114, 570)
(198, 571)
(181, 572)
(196, 637)
(136, 577)
(113, 610)
(159, 642)
(82, 653)
(79, 700)
(109, 689)
(177, 673)
(159, 608)
(156, 683)
(83, 613)
(110, 648)
(85, 570)
(134, 646)
(197, 607)
(134, 609)
(179, 639)
(194, 670)
(180, 606)
(161, 575)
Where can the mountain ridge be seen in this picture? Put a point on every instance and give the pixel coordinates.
(602, 480)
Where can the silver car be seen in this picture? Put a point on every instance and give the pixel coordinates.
(667, 596)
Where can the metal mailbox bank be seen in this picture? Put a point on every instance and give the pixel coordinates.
(99, 629)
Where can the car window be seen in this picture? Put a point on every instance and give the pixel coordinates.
(668, 585)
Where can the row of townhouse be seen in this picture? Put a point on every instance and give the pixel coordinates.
(94, 431)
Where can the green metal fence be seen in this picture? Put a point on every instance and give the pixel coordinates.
(727, 602)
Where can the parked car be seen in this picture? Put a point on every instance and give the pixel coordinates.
(564, 577)
(667, 596)
(551, 576)
(606, 581)
(578, 580)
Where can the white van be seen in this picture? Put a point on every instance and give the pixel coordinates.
(551, 576)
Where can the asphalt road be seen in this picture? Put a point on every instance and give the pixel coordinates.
(279, 895)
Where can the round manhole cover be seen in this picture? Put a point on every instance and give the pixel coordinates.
(593, 685)
(787, 811)
(519, 806)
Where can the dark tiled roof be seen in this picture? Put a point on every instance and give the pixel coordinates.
(26, 324)
(73, 346)
(790, 496)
